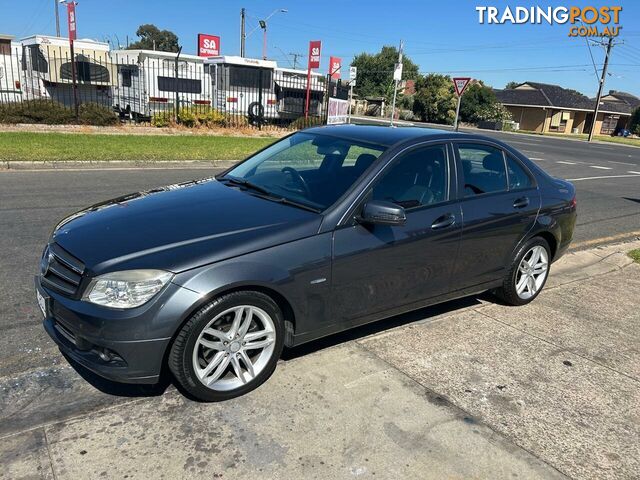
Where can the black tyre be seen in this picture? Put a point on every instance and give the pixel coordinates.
(228, 347)
(527, 274)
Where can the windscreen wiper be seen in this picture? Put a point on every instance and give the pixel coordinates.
(267, 194)
(246, 183)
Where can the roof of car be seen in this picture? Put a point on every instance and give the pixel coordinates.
(380, 135)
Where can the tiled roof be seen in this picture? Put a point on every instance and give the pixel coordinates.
(548, 95)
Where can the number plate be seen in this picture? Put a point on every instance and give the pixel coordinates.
(42, 303)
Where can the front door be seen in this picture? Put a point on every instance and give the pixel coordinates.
(377, 268)
(500, 203)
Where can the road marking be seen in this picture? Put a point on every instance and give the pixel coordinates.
(537, 158)
(601, 168)
(567, 163)
(621, 163)
(531, 151)
(605, 176)
(635, 173)
(609, 239)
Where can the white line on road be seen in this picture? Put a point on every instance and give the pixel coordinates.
(605, 176)
(621, 163)
(567, 163)
(635, 173)
(599, 167)
(537, 158)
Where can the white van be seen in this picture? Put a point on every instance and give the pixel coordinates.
(46, 70)
(243, 86)
(147, 82)
(10, 86)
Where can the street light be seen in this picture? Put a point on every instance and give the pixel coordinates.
(263, 25)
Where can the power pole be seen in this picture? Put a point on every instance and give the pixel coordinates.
(295, 58)
(397, 75)
(243, 35)
(55, 6)
(600, 88)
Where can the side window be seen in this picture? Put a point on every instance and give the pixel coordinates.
(518, 176)
(417, 178)
(483, 169)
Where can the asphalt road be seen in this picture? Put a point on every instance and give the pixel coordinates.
(31, 202)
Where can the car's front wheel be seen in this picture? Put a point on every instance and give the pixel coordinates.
(229, 347)
(527, 274)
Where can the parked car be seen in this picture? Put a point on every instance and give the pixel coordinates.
(324, 230)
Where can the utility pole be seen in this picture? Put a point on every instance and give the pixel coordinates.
(55, 6)
(295, 58)
(243, 35)
(600, 88)
(397, 75)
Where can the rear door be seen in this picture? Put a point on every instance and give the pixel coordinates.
(378, 268)
(500, 202)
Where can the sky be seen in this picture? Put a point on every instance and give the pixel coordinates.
(440, 36)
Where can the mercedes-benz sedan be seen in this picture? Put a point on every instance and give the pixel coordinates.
(324, 230)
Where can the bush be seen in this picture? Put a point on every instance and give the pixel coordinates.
(94, 114)
(302, 122)
(53, 113)
(406, 115)
(161, 119)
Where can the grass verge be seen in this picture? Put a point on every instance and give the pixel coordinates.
(584, 136)
(635, 255)
(25, 146)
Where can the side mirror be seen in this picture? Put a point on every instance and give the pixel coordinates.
(379, 212)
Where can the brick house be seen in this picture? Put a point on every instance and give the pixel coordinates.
(543, 108)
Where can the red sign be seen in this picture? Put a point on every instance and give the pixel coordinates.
(314, 53)
(460, 84)
(71, 20)
(208, 45)
(335, 64)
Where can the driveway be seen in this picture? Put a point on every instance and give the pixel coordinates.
(471, 389)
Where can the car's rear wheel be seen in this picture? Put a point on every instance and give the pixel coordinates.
(527, 274)
(229, 347)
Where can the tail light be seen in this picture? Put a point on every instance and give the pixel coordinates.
(574, 202)
(17, 83)
(271, 102)
(158, 99)
(232, 99)
(202, 102)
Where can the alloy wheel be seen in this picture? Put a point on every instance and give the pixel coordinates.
(532, 272)
(234, 347)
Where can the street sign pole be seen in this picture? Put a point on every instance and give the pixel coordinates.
(397, 75)
(72, 26)
(459, 84)
(353, 73)
(455, 123)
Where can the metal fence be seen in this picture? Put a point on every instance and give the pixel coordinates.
(165, 88)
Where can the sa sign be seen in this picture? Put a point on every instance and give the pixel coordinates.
(314, 53)
(335, 66)
(208, 45)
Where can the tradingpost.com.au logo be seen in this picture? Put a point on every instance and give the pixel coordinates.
(583, 21)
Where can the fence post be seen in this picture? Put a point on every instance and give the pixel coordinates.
(177, 100)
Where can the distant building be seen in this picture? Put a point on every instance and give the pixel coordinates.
(543, 108)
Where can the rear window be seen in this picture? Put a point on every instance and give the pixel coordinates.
(483, 169)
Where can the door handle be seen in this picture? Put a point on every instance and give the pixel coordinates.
(521, 202)
(444, 221)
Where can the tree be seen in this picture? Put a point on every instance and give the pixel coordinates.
(511, 85)
(634, 123)
(375, 72)
(152, 38)
(477, 97)
(434, 100)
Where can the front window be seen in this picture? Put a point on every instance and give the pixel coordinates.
(483, 169)
(313, 170)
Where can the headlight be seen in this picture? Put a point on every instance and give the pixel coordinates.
(126, 289)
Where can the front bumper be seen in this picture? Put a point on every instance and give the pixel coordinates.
(125, 346)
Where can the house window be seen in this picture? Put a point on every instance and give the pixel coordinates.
(559, 121)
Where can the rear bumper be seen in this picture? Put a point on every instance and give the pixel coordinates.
(125, 346)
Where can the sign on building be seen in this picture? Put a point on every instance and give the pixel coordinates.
(208, 45)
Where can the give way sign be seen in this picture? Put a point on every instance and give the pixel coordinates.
(460, 83)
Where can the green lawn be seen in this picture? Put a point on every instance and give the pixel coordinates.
(635, 255)
(27, 146)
